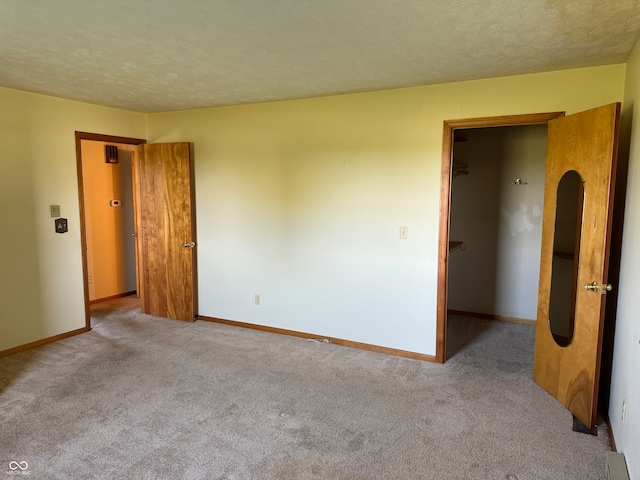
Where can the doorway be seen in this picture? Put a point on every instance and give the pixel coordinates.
(448, 244)
(105, 192)
(109, 226)
(497, 196)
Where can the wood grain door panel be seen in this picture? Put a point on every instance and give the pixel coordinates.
(587, 143)
(165, 199)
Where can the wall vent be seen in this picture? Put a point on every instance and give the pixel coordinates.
(616, 466)
(111, 154)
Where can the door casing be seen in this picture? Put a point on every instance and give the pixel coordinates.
(83, 232)
(445, 204)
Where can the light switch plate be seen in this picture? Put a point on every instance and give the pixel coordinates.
(55, 211)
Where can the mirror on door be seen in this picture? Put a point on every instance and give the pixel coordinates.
(566, 253)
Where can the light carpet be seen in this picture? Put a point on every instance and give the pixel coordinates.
(141, 397)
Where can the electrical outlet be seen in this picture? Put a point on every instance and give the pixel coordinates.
(55, 211)
(257, 299)
(624, 410)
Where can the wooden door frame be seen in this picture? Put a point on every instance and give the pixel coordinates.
(445, 205)
(83, 226)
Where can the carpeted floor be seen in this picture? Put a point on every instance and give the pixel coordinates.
(142, 397)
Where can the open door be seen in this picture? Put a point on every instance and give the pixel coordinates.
(165, 230)
(578, 204)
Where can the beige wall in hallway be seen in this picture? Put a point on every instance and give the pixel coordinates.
(110, 241)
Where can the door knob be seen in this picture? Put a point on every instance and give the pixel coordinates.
(593, 286)
(189, 245)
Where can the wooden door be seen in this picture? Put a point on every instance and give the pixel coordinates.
(166, 230)
(587, 144)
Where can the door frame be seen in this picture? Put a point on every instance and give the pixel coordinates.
(445, 205)
(83, 226)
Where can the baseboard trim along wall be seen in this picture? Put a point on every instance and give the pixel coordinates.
(612, 440)
(44, 341)
(112, 297)
(489, 316)
(312, 336)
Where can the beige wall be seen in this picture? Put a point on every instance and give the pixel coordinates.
(301, 201)
(298, 201)
(625, 385)
(110, 242)
(41, 274)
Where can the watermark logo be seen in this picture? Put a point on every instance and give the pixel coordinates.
(18, 468)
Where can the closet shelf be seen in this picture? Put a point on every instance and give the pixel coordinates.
(460, 169)
(454, 246)
(563, 255)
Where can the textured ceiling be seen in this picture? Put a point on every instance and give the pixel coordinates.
(162, 55)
